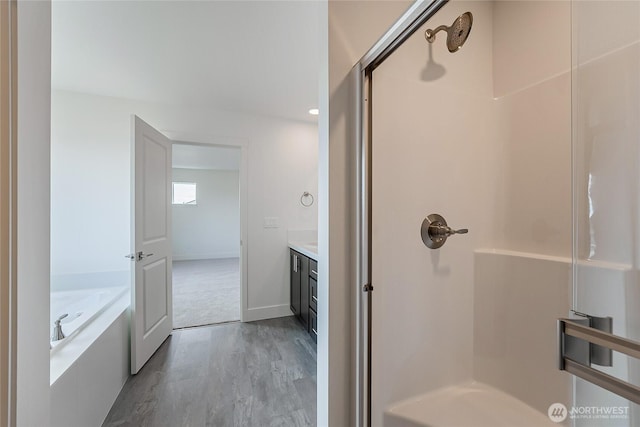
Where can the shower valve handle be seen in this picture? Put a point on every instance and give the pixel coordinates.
(444, 230)
(435, 231)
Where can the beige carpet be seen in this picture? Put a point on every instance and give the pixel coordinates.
(206, 292)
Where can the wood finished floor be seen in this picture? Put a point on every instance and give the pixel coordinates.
(238, 374)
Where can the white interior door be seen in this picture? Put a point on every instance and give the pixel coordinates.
(151, 297)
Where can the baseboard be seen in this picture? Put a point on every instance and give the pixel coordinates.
(196, 257)
(270, 312)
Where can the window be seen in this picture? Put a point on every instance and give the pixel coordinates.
(184, 193)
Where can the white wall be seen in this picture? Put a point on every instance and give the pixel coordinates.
(91, 138)
(187, 156)
(89, 188)
(210, 229)
(323, 370)
(34, 77)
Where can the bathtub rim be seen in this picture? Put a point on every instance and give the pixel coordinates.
(119, 291)
(67, 355)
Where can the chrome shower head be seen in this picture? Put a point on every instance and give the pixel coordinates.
(457, 33)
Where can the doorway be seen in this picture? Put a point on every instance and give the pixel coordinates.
(206, 235)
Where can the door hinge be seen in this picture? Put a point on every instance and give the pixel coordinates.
(367, 288)
(586, 352)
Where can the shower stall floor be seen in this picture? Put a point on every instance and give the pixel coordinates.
(471, 404)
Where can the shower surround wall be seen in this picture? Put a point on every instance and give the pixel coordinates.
(488, 146)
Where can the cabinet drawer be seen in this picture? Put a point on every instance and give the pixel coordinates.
(313, 268)
(313, 325)
(313, 294)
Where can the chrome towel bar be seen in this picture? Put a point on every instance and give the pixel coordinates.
(569, 330)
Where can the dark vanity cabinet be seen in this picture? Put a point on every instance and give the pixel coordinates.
(304, 290)
(294, 271)
(313, 299)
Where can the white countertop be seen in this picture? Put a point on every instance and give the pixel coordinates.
(309, 249)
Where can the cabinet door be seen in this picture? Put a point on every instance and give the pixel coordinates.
(313, 268)
(295, 282)
(313, 294)
(313, 325)
(304, 290)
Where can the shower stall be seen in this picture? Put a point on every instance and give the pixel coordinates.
(499, 180)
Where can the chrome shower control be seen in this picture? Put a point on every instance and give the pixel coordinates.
(445, 231)
(435, 231)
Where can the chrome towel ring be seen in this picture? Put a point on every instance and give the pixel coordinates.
(306, 199)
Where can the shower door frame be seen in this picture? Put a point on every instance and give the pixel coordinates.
(8, 211)
(362, 84)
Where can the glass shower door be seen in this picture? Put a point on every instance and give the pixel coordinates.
(465, 334)
(606, 195)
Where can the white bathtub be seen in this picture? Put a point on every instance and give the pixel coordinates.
(82, 306)
(89, 367)
(471, 404)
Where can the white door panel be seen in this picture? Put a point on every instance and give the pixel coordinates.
(154, 282)
(151, 300)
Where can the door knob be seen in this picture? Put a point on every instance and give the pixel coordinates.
(138, 256)
(142, 255)
(435, 231)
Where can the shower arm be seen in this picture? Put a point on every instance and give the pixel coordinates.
(430, 35)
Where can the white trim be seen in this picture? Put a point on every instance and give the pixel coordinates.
(33, 175)
(244, 234)
(268, 312)
(182, 138)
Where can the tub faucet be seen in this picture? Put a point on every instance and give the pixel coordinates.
(57, 334)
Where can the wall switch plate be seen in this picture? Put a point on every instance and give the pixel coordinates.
(271, 222)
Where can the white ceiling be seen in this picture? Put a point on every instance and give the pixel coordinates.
(254, 56)
(200, 157)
